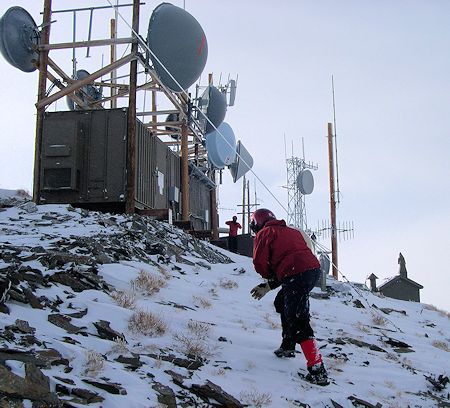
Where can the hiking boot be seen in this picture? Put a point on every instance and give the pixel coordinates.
(317, 375)
(281, 352)
(287, 349)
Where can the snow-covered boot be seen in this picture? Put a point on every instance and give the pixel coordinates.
(317, 375)
(287, 349)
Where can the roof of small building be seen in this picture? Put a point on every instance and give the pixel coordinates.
(397, 278)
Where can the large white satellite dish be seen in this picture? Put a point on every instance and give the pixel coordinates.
(221, 146)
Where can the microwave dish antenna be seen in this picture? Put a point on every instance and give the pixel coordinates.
(305, 182)
(19, 38)
(213, 103)
(173, 117)
(178, 45)
(88, 93)
(221, 146)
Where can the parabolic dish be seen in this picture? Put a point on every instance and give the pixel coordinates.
(89, 92)
(18, 37)
(305, 182)
(221, 146)
(217, 107)
(177, 42)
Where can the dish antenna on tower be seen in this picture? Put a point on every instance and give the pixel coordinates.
(19, 37)
(221, 146)
(178, 43)
(305, 182)
(213, 105)
(88, 94)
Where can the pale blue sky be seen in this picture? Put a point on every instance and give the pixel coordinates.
(391, 64)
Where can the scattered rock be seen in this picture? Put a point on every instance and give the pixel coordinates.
(180, 362)
(166, 396)
(112, 388)
(105, 332)
(64, 322)
(132, 363)
(209, 390)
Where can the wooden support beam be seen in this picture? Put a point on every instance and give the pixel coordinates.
(42, 103)
(131, 132)
(42, 89)
(81, 44)
(184, 173)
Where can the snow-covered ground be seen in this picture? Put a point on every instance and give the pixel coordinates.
(376, 349)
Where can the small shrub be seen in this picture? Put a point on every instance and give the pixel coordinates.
(146, 323)
(441, 345)
(202, 302)
(199, 329)
(362, 327)
(255, 398)
(95, 363)
(147, 283)
(195, 341)
(125, 299)
(120, 346)
(227, 284)
(379, 320)
(435, 309)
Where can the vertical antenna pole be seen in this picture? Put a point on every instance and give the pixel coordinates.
(334, 250)
(248, 205)
(131, 133)
(338, 191)
(42, 87)
(185, 172)
(113, 29)
(243, 204)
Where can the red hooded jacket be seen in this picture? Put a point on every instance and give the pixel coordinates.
(280, 251)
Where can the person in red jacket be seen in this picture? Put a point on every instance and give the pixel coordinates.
(232, 236)
(282, 256)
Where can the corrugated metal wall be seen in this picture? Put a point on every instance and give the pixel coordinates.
(84, 163)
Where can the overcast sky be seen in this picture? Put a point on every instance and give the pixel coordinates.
(391, 67)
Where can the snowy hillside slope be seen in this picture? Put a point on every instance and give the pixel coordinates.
(117, 311)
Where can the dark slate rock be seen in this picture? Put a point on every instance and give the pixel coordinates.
(32, 299)
(166, 395)
(15, 386)
(64, 322)
(90, 396)
(24, 327)
(210, 390)
(190, 364)
(106, 332)
(131, 362)
(112, 388)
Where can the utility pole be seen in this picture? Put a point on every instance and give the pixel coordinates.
(42, 88)
(334, 249)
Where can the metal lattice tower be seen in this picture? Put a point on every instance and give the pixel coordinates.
(296, 200)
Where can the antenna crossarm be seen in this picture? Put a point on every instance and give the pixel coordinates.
(82, 44)
(85, 81)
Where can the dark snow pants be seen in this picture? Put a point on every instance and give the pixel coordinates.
(292, 302)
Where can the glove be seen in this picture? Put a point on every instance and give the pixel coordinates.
(259, 291)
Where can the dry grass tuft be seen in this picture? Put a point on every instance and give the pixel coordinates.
(443, 313)
(379, 320)
(120, 346)
(202, 302)
(147, 323)
(362, 327)
(147, 284)
(441, 345)
(255, 398)
(228, 284)
(95, 363)
(195, 342)
(125, 299)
